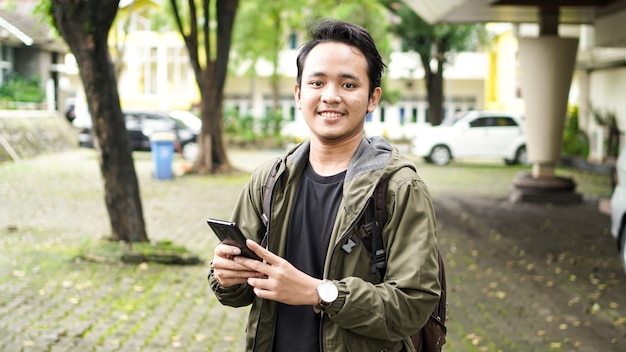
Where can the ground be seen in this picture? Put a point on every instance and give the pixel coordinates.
(521, 277)
(531, 277)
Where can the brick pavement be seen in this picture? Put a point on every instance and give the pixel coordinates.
(50, 302)
(50, 205)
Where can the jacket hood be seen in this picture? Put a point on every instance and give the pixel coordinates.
(373, 154)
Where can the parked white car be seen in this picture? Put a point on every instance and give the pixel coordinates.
(474, 134)
(618, 208)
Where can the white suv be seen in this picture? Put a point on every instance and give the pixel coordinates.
(474, 134)
(618, 207)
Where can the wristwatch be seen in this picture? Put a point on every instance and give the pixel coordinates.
(328, 293)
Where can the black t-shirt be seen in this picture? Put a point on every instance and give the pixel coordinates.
(310, 225)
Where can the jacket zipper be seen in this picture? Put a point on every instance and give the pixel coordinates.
(342, 239)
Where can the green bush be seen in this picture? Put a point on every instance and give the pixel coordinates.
(247, 130)
(575, 141)
(21, 89)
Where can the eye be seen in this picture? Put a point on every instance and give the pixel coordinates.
(349, 85)
(316, 83)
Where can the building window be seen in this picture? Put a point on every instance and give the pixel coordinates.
(6, 66)
(177, 70)
(292, 113)
(148, 76)
(293, 41)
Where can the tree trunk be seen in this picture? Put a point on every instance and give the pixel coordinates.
(278, 45)
(212, 155)
(435, 97)
(85, 26)
(434, 90)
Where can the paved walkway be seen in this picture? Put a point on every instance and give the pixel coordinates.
(49, 301)
(52, 205)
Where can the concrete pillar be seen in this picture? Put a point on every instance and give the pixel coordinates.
(546, 67)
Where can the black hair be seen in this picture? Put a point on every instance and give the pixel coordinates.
(350, 34)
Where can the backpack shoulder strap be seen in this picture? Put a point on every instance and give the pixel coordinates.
(379, 209)
(441, 309)
(369, 227)
(267, 198)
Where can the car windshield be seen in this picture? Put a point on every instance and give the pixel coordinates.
(450, 120)
(186, 118)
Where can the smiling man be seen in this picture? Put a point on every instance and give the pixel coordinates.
(316, 289)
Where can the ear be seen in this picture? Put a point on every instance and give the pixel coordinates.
(374, 99)
(296, 93)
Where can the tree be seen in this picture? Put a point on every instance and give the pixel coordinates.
(210, 78)
(85, 27)
(608, 120)
(271, 24)
(268, 23)
(433, 42)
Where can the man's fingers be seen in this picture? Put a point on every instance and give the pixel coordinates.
(226, 251)
(266, 255)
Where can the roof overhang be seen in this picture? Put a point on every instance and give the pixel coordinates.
(8, 30)
(513, 11)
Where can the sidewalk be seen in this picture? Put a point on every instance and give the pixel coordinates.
(521, 277)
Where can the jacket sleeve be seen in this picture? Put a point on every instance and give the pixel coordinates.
(247, 215)
(402, 303)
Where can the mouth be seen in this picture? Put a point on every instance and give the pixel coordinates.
(330, 115)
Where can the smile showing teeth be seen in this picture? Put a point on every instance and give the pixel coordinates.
(330, 114)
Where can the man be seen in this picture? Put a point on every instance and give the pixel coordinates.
(309, 293)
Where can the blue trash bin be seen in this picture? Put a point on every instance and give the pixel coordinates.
(162, 147)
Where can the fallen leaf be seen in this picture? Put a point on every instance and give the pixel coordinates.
(555, 346)
(595, 308)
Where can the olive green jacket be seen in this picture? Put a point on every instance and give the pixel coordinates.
(370, 314)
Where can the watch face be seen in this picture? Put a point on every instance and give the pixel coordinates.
(328, 291)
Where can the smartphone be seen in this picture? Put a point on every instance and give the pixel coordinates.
(229, 233)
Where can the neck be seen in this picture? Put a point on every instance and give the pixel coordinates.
(332, 158)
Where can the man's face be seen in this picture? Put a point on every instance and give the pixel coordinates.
(334, 93)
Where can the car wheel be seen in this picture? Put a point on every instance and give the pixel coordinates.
(521, 157)
(190, 151)
(440, 155)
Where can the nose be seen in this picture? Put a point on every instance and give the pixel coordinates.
(331, 95)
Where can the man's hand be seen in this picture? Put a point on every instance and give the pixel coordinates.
(228, 272)
(279, 280)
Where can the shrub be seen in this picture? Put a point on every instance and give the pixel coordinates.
(575, 141)
(21, 89)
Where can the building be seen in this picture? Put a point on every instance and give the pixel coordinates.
(30, 48)
(157, 75)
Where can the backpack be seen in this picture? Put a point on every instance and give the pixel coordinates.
(432, 336)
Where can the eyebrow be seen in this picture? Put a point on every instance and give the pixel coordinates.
(343, 75)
